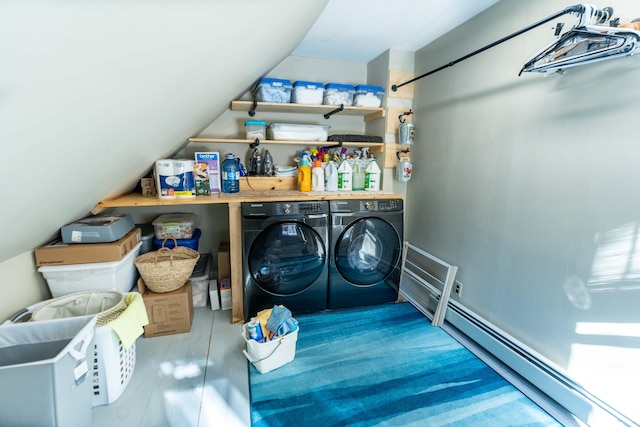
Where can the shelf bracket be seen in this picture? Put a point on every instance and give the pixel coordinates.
(255, 143)
(331, 113)
(252, 111)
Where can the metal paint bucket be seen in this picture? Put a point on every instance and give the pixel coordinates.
(407, 133)
(403, 171)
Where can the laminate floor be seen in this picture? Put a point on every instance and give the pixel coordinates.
(195, 379)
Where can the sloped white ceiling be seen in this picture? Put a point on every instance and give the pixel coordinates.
(92, 92)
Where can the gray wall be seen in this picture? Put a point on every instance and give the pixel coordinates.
(529, 185)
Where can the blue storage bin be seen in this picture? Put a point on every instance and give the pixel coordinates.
(189, 243)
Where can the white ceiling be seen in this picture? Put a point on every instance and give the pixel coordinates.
(358, 31)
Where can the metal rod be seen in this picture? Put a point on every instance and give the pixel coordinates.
(572, 9)
(331, 113)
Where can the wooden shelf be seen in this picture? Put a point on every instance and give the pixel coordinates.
(374, 147)
(262, 193)
(369, 113)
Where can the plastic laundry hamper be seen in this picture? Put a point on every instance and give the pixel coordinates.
(112, 364)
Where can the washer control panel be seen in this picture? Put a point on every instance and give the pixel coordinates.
(380, 205)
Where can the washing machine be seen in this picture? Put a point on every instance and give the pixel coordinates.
(366, 252)
(285, 256)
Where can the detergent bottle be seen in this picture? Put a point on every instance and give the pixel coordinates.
(331, 176)
(304, 175)
(372, 176)
(317, 176)
(345, 175)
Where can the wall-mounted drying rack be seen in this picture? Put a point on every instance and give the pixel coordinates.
(587, 14)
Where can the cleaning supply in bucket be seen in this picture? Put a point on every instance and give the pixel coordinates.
(255, 330)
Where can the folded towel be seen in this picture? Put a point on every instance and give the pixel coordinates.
(263, 318)
(128, 326)
(280, 321)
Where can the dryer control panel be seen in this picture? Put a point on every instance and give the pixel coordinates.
(380, 205)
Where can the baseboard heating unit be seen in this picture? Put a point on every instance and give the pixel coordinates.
(426, 283)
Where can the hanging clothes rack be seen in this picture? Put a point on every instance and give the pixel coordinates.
(587, 15)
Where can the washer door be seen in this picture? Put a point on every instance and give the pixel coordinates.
(367, 251)
(286, 258)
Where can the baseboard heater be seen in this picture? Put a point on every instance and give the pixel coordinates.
(422, 285)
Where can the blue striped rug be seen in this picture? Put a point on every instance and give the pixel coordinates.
(385, 365)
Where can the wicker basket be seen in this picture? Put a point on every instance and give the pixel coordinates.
(166, 270)
(107, 305)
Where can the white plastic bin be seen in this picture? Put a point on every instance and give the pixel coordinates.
(270, 355)
(100, 276)
(45, 373)
(113, 366)
(298, 132)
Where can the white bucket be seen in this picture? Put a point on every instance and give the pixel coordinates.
(267, 356)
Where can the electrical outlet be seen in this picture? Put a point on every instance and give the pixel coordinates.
(457, 288)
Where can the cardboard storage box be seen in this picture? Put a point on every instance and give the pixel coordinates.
(58, 253)
(97, 229)
(224, 275)
(168, 312)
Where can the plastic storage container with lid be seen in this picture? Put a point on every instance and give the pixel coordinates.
(200, 280)
(307, 92)
(191, 243)
(298, 132)
(338, 93)
(178, 226)
(368, 96)
(256, 129)
(273, 90)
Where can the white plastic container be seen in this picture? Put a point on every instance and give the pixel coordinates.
(200, 280)
(331, 176)
(255, 129)
(345, 176)
(273, 90)
(368, 96)
(317, 176)
(372, 176)
(270, 355)
(178, 226)
(296, 132)
(307, 93)
(117, 276)
(337, 93)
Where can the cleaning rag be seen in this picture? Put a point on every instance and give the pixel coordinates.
(281, 321)
(128, 326)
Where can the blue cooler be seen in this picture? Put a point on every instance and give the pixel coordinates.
(191, 243)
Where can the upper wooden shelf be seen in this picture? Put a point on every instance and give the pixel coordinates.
(374, 147)
(368, 113)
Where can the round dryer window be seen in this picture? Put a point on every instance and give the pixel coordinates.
(367, 251)
(286, 258)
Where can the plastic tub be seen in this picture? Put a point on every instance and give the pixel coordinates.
(273, 90)
(307, 93)
(337, 93)
(178, 226)
(191, 243)
(256, 129)
(200, 280)
(267, 356)
(295, 132)
(368, 96)
(100, 276)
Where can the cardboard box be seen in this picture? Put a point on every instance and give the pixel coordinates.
(168, 312)
(214, 165)
(224, 261)
(224, 275)
(147, 187)
(58, 253)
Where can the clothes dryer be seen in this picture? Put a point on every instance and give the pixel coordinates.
(366, 251)
(285, 256)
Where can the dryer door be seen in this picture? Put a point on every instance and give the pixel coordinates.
(367, 251)
(286, 258)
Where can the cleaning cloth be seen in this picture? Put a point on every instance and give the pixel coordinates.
(281, 321)
(128, 326)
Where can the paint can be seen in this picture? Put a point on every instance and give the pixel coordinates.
(403, 171)
(407, 133)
